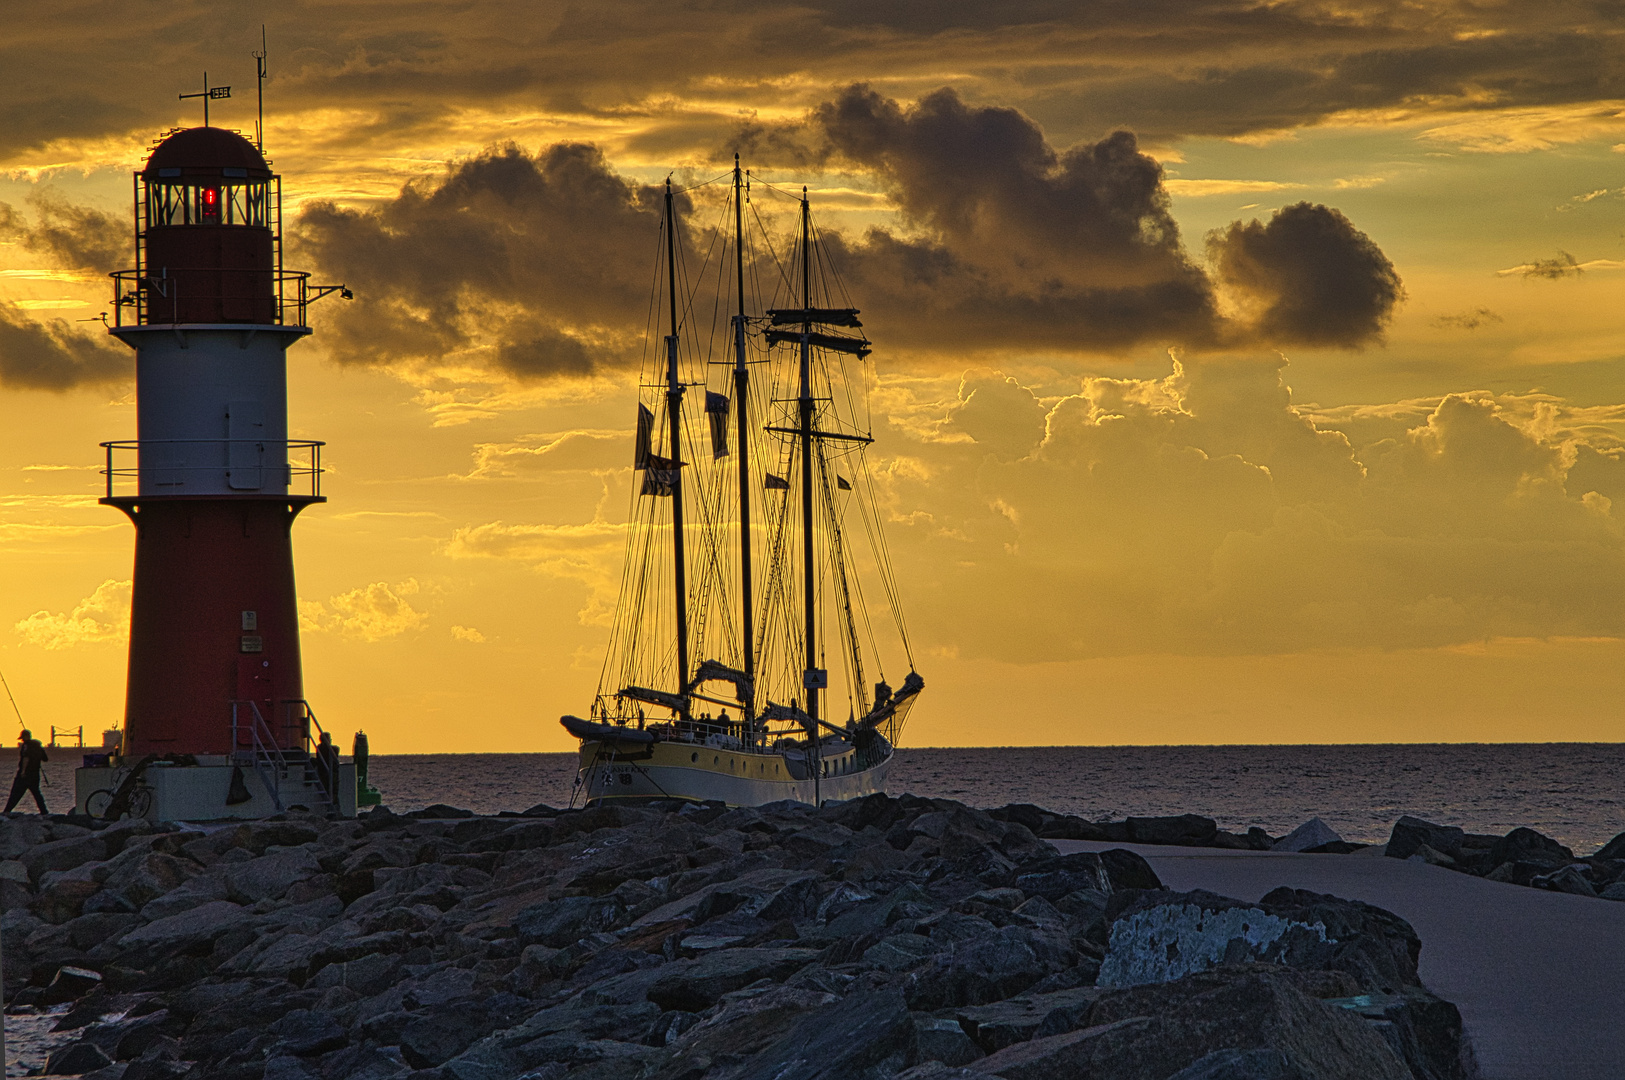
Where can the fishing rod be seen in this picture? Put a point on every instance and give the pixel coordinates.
(12, 699)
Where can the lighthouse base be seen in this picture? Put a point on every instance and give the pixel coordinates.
(207, 791)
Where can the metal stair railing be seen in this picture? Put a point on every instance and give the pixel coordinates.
(257, 756)
(314, 787)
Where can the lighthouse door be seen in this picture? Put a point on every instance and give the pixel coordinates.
(245, 447)
(254, 690)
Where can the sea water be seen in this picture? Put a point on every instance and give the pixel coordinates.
(1570, 791)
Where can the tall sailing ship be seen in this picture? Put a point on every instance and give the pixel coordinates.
(743, 628)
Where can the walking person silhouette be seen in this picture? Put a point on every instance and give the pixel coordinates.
(30, 756)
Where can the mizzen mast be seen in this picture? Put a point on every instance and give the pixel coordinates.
(747, 693)
(674, 413)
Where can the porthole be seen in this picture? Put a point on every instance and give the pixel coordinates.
(716, 759)
(695, 756)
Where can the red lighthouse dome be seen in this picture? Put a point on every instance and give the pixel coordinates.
(207, 220)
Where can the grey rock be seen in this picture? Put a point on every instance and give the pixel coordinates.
(305, 1033)
(269, 877)
(944, 1041)
(200, 924)
(1311, 833)
(562, 922)
(985, 969)
(1018, 1019)
(869, 1034)
(1616, 891)
(1527, 845)
(79, 1057)
(1187, 829)
(1162, 936)
(1241, 1065)
(194, 892)
(1258, 1007)
(1411, 834)
(59, 855)
(694, 985)
(1069, 1054)
(899, 952)
(1566, 880)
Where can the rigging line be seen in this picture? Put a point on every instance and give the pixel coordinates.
(767, 238)
(887, 576)
(836, 557)
(705, 184)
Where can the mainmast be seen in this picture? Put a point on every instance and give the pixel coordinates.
(812, 678)
(742, 410)
(674, 411)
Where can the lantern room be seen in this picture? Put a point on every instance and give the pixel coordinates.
(208, 233)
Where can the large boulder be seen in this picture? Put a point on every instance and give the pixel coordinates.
(563, 922)
(1189, 830)
(269, 877)
(1529, 846)
(1412, 834)
(869, 1034)
(61, 855)
(984, 969)
(1158, 937)
(1256, 1007)
(1311, 834)
(695, 985)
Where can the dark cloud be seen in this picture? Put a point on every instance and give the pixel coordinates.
(1308, 276)
(1163, 67)
(53, 356)
(1560, 266)
(75, 237)
(1467, 320)
(543, 260)
(540, 264)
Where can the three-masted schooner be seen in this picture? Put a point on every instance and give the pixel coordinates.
(718, 681)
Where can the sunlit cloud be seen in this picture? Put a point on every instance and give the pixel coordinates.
(102, 616)
(369, 613)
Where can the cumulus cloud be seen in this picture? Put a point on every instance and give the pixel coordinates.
(468, 634)
(104, 615)
(1307, 277)
(1204, 512)
(74, 236)
(370, 613)
(52, 355)
(1231, 68)
(588, 554)
(536, 265)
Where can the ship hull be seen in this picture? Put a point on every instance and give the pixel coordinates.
(680, 770)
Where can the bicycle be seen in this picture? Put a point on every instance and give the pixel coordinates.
(129, 798)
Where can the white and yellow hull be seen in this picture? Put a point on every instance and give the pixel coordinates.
(683, 770)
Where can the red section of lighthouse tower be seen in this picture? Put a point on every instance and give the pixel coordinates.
(214, 663)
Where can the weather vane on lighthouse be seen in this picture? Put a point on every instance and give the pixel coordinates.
(208, 94)
(212, 483)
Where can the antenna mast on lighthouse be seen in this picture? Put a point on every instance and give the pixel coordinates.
(261, 70)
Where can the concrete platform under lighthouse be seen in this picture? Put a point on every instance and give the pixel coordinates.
(200, 792)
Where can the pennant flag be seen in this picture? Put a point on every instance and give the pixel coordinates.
(776, 483)
(840, 482)
(660, 476)
(646, 427)
(716, 408)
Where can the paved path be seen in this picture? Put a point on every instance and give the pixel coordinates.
(1539, 976)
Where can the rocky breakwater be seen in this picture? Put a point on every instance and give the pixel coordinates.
(878, 939)
(1521, 857)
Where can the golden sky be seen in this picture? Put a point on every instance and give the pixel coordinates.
(1248, 372)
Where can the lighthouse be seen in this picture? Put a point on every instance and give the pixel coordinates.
(216, 724)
